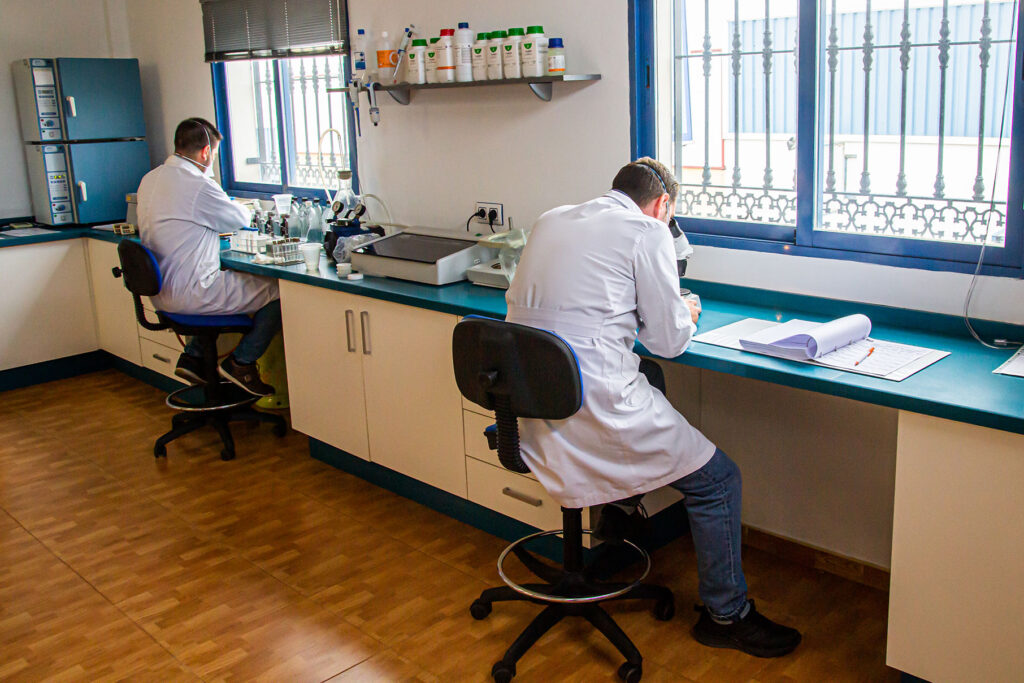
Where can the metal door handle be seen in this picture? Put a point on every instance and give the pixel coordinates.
(529, 500)
(83, 191)
(364, 324)
(72, 111)
(162, 359)
(350, 336)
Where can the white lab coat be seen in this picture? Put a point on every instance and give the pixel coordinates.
(600, 275)
(181, 213)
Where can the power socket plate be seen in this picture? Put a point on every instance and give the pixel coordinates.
(487, 206)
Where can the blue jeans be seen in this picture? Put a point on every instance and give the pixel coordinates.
(712, 499)
(266, 323)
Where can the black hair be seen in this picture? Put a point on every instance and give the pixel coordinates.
(193, 134)
(645, 180)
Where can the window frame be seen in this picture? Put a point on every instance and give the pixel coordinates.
(286, 151)
(804, 240)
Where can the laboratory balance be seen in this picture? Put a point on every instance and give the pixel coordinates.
(429, 259)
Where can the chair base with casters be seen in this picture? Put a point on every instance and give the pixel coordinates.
(215, 403)
(523, 372)
(571, 591)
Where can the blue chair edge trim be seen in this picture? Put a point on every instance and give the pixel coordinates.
(237, 320)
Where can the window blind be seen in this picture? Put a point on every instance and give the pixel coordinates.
(254, 29)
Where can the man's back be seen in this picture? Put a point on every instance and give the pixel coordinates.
(594, 274)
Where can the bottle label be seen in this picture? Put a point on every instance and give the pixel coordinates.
(556, 64)
(387, 59)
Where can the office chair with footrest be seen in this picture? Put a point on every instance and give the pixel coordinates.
(523, 372)
(214, 402)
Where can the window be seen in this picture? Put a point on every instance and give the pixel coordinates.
(865, 129)
(274, 113)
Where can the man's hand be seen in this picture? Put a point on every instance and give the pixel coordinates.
(694, 309)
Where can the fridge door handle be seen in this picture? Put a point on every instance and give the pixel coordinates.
(83, 192)
(72, 111)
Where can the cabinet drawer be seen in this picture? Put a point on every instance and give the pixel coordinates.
(474, 408)
(476, 443)
(512, 494)
(162, 337)
(159, 358)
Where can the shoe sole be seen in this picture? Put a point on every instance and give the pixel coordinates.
(189, 376)
(733, 645)
(228, 377)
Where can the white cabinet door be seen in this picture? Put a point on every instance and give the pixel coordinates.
(325, 366)
(113, 307)
(414, 409)
(45, 311)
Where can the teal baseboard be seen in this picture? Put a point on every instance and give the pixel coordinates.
(154, 379)
(72, 366)
(907, 678)
(51, 370)
(666, 525)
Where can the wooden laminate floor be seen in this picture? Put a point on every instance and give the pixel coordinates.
(277, 567)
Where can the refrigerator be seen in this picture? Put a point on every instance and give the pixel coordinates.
(84, 136)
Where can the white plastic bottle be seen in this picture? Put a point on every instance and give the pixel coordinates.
(431, 63)
(511, 61)
(359, 55)
(387, 58)
(371, 58)
(479, 57)
(463, 53)
(556, 57)
(416, 62)
(534, 52)
(495, 72)
(446, 56)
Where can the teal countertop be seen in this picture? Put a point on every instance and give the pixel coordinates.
(959, 387)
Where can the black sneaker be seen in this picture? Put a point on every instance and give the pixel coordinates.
(754, 634)
(246, 376)
(190, 369)
(615, 526)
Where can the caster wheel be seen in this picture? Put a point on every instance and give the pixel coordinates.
(664, 610)
(280, 430)
(159, 451)
(227, 455)
(479, 609)
(631, 673)
(502, 673)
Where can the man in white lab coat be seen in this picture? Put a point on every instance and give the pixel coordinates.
(602, 275)
(182, 212)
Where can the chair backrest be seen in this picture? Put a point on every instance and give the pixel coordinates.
(141, 275)
(139, 268)
(516, 371)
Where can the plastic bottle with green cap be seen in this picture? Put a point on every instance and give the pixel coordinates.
(534, 52)
(431, 62)
(511, 60)
(416, 62)
(495, 72)
(479, 57)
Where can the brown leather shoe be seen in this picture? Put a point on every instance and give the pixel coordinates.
(245, 375)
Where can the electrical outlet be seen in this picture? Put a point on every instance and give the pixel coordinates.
(487, 206)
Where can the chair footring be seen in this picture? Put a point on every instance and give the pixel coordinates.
(567, 587)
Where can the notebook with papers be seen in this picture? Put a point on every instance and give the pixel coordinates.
(843, 344)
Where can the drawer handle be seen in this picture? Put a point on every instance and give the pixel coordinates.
(162, 359)
(529, 500)
(364, 325)
(350, 333)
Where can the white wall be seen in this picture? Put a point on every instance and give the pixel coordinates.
(46, 28)
(167, 39)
